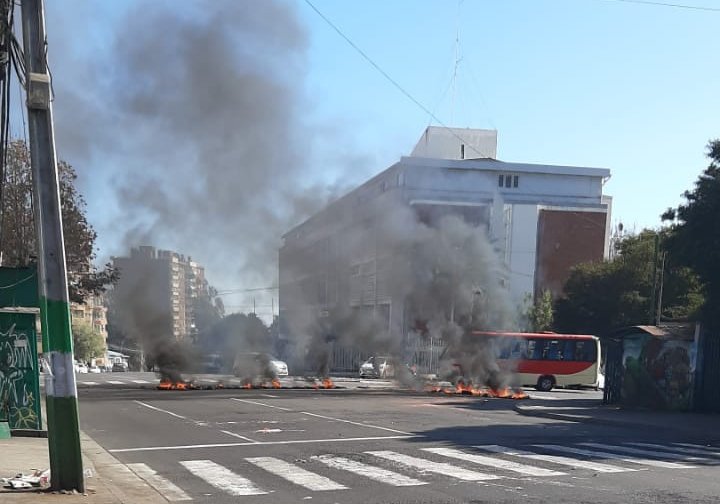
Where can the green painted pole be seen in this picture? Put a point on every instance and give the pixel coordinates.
(66, 469)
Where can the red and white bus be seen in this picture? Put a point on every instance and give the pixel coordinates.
(546, 360)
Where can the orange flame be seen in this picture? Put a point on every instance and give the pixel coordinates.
(276, 383)
(327, 383)
(247, 385)
(468, 389)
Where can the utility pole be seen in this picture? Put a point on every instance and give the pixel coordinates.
(61, 390)
(653, 296)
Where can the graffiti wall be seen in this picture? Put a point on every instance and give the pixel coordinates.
(19, 377)
(657, 373)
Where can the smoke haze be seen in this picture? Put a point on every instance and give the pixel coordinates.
(194, 119)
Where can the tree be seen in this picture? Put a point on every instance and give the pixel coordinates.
(18, 242)
(602, 296)
(694, 235)
(87, 342)
(540, 313)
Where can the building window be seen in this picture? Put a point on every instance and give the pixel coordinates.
(508, 181)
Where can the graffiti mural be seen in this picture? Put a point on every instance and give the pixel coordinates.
(658, 373)
(19, 386)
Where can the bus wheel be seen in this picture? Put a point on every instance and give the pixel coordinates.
(545, 383)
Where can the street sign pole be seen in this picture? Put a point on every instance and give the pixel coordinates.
(62, 408)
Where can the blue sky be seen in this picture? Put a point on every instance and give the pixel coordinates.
(630, 87)
(633, 88)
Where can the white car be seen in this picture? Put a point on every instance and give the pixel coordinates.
(95, 369)
(249, 364)
(377, 367)
(81, 367)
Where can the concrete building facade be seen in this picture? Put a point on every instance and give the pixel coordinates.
(542, 220)
(166, 282)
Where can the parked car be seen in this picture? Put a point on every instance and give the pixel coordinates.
(251, 364)
(94, 369)
(120, 367)
(377, 366)
(81, 367)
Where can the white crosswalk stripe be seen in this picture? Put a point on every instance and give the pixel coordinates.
(140, 381)
(556, 459)
(638, 451)
(166, 488)
(494, 462)
(369, 471)
(425, 465)
(116, 382)
(615, 456)
(88, 383)
(678, 449)
(295, 474)
(222, 478)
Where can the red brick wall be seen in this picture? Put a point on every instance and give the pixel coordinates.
(564, 240)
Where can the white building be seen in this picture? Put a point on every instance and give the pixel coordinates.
(543, 219)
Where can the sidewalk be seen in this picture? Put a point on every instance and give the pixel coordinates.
(594, 412)
(107, 481)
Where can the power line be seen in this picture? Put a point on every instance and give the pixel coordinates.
(390, 79)
(667, 4)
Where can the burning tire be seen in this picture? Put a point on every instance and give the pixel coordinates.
(545, 383)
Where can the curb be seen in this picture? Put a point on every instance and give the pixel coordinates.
(123, 484)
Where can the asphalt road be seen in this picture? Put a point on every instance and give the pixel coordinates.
(358, 445)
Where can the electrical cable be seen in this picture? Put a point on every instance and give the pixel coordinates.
(667, 4)
(393, 81)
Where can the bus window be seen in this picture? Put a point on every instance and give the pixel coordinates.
(585, 351)
(530, 349)
(539, 349)
(554, 351)
(569, 354)
(519, 347)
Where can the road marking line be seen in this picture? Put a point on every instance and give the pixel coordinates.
(424, 465)
(615, 456)
(691, 451)
(140, 381)
(295, 474)
(259, 404)
(166, 488)
(207, 380)
(222, 478)
(88, 383)
(372, 472)
(238, 436)
(706, 449)
(231, 445)
(269, 395)
(556, 459)
(161, 410)
(637, 451)
(357, 423)
(494, 462)
(116, 382)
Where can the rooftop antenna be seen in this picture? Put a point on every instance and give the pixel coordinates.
(457, 63)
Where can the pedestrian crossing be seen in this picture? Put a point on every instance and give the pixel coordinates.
(423, 465)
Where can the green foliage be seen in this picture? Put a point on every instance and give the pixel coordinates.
(606, 295)
(694, 235)
(18, 236)
(87, 342)
(540, 314)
